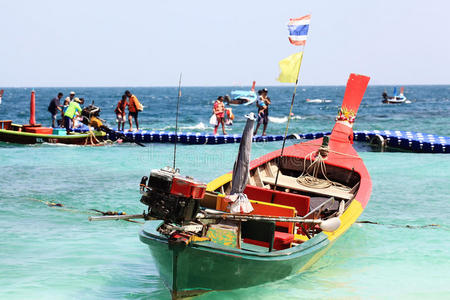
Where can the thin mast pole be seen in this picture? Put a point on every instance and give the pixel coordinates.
(287, 125)
(176, 125)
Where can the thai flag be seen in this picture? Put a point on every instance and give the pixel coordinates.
(298, 30)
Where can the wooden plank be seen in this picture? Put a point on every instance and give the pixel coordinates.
(273, 168)
(251, 180)
(209, 201)
(257, 176)
(268, 170)
(291, 182)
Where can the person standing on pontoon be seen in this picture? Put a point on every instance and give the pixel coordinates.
(134, 107)
(219, 112)
(120, 112)
(262, 103)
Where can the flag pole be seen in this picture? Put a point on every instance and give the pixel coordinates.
(287, 126)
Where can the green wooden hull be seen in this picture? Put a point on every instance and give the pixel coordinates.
(19, 137)
(205, 266)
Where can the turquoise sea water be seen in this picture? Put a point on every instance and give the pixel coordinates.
(55, 253)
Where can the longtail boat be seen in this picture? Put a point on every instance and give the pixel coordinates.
(269, 219)
(315, 182)
(34, 133)
(22, 134)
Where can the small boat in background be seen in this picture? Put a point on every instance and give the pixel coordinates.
(240, 97)
(318, 100)
(400, 98)
(1, 95)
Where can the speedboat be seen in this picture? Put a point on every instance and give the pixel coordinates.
(240, 97)
(400, 98)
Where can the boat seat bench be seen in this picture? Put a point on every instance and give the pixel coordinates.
(291, 183)
(300, 202)
(284, 204)
(265, 234)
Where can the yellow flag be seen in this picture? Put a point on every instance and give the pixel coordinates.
(290, 66)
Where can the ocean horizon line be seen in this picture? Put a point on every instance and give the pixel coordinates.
(214, 86)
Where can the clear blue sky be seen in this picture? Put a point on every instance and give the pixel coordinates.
(148, 43)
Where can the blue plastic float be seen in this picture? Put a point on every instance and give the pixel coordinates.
(405, 140)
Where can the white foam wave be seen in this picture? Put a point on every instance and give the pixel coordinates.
(318, 100)
(199, 126)
(280, 120)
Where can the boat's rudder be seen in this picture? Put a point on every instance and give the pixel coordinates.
(354, 92)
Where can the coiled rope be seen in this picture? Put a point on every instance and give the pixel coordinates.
(310, 175)
(91, 138)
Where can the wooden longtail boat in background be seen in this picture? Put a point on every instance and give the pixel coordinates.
(13, 135)
(34, 133)
(319, 181)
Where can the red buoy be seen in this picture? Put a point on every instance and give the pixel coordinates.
(32, 108)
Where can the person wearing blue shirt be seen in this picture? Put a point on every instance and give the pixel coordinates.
(262, 103)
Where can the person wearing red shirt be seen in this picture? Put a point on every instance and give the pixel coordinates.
(120, 112)
(219, 111)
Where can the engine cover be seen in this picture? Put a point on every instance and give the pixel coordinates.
(169, 180)
(187, 187)
(161, 180)
(169, 207)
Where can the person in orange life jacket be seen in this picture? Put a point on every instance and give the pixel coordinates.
(219, 111)
(133, 109)
(120, 112)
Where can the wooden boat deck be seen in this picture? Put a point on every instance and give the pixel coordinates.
(291, 183)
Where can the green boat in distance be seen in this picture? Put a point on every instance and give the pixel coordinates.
(29, 138)
(33, 133)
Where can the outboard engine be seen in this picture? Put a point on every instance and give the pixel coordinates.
(90, 111)
(91, 117)
(172, 197)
